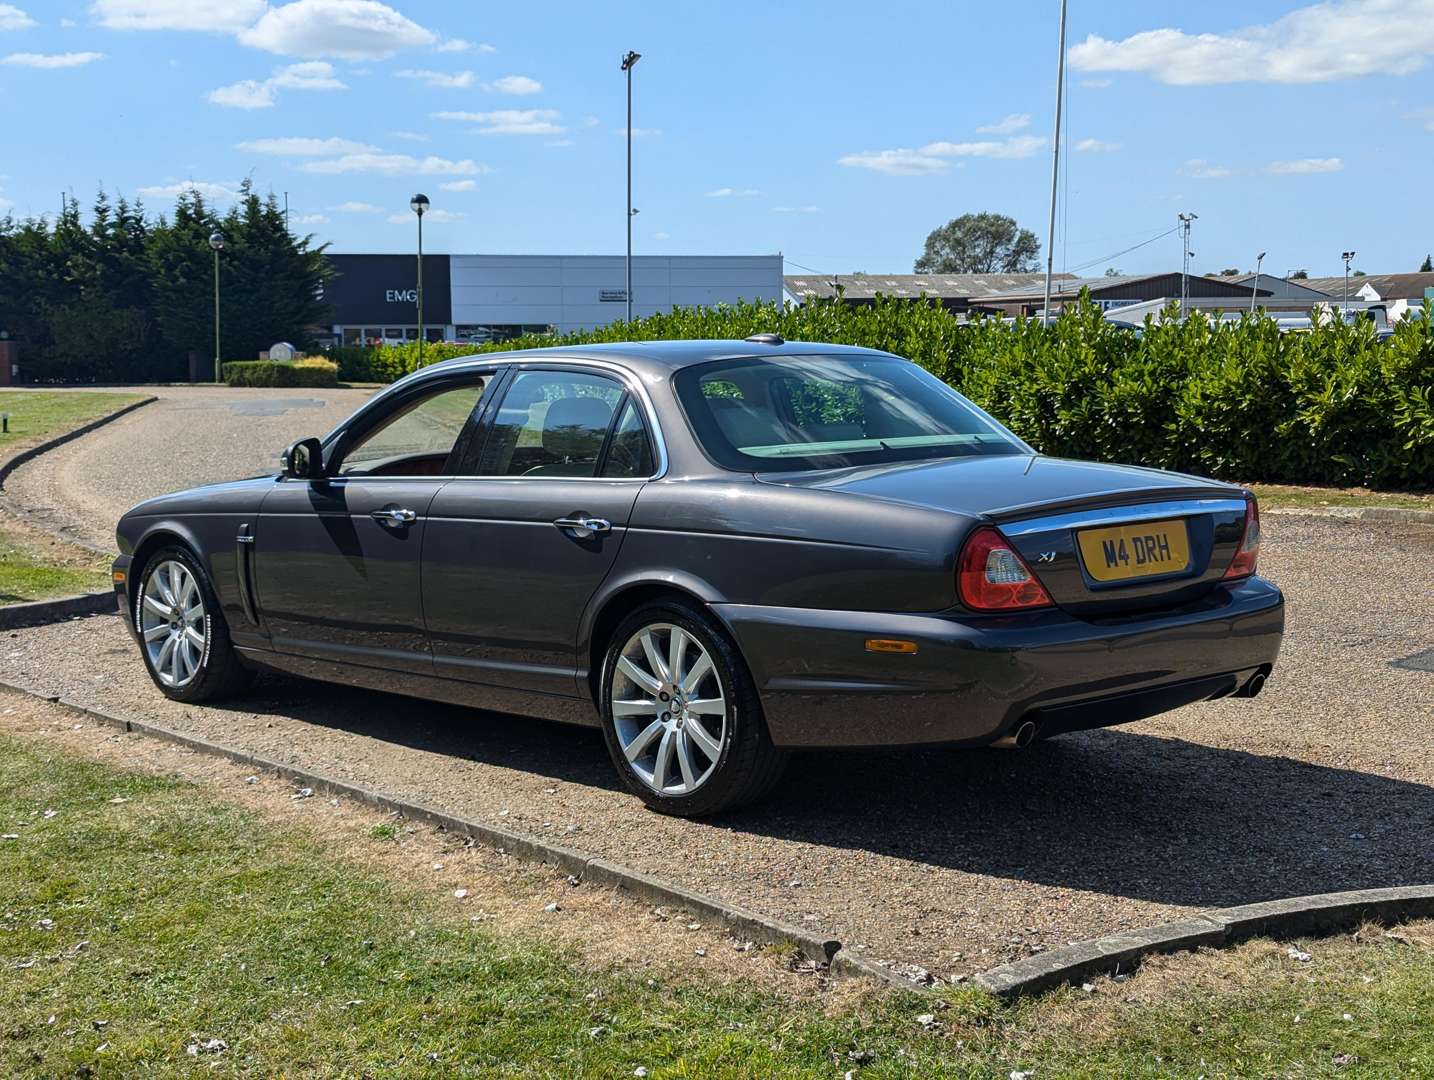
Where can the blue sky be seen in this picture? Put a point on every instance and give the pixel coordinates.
(838, 135)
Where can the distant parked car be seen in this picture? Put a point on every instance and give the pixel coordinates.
(718, 552)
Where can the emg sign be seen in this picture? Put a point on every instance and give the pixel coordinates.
(401, 296)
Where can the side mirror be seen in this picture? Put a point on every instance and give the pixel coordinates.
(304, 460)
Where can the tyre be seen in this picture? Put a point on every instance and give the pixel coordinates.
(182, 633)
(681, 715)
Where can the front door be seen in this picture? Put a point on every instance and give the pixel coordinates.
(513, 552)
(337, 561)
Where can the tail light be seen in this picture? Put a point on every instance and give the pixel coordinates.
(990, 576)
(1243, 564)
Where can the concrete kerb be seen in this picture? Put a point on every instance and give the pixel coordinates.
(40, 612)
(1401, 514)
(1114, 954)
(35, 451)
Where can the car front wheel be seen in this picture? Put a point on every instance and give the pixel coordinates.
(681, 716)
(182, 633)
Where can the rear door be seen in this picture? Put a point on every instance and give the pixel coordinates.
(514, 550)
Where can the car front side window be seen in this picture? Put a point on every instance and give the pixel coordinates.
(418, 439)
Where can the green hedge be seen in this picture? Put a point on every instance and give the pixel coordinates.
(308, 372)
(1236, 400)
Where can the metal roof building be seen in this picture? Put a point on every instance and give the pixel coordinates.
(1281, 288)
(1375, 286)
(956, 292)
(1118, 291)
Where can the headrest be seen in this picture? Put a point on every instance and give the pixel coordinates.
(574, 427)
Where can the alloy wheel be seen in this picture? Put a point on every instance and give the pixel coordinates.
(668, 708)
(172, 623)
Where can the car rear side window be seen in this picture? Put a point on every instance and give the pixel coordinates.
(784, 413)
(566, 424)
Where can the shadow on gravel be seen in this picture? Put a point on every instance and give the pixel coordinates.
(1113, 812)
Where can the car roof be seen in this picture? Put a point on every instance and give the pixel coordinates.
(666, 355)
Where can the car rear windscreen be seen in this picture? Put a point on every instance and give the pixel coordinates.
(784, 413)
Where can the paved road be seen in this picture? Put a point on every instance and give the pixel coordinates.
(953, 861)
(191, 435)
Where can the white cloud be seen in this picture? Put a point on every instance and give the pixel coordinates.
(52, 61)
(509, 121)
(1201, 169)
(727, 193)
(901, 162)
(393, 165)
(410, 136)
(12, 18)
(1095, 146)
(254, 94)
(661, 236)
(312, 219)
(559, 142)
(933, 157)
(67, 23)
(438, 79)
(439, 215)
(245, 94)
(353, 207)
(345, 29)
(516, 85)
(459, 185)
(1014, 122)
(1324, 42)
(309, 75)
(298, 146)
(1020, 146)
(210, 189)
(1302, 166)
(223, 16)
(796, 209)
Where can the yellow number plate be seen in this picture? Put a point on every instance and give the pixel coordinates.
(1135, 551)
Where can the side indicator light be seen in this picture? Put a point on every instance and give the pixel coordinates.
(119, 577)
(890, 645)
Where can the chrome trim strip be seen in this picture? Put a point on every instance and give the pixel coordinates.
(1117, 515)
(629, 379)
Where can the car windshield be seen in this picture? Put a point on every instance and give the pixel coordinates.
(787, 413)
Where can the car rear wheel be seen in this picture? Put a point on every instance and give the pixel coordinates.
(182, 633)
(681, 716)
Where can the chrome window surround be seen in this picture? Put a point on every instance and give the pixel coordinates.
(630, 382)
(1119, 515)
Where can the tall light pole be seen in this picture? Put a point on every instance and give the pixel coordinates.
(1185, 220)
(628, 63)
(216, 241)
(419, 204)
(1346, 256)
(1055, 163)
(1255, 288)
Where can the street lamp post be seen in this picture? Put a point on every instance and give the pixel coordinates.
(216, 241)
(1185, 220)
(1055, 164)
(1347, 256)
(419, 204)
(1255, 288)
(628, 63)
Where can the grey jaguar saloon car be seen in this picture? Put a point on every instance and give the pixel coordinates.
(716, 551)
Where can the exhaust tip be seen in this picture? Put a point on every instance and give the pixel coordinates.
(1020, 738)
(1251, 688)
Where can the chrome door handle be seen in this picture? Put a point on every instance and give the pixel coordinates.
(584, 527)
(394, 516)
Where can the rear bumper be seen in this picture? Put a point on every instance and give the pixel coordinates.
(974, 678)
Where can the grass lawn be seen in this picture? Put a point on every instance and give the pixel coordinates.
(37, 414)
(1292, 496)
(141, 918)
(35, 568)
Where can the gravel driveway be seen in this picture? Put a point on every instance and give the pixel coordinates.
(191, 435)
(953, 861)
